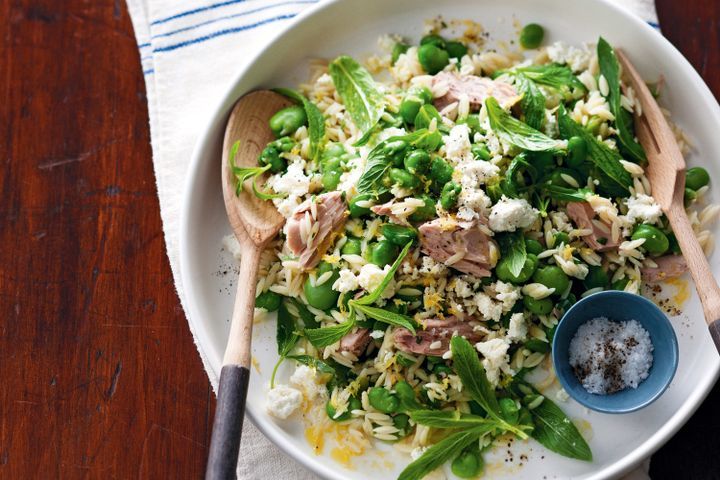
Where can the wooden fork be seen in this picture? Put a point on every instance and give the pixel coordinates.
(666, 172)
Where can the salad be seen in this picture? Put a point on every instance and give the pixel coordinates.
(445, 204)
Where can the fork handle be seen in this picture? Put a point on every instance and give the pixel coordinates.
(705, 282)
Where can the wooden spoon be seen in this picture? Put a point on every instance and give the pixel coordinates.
(254, 222)
(666, 172)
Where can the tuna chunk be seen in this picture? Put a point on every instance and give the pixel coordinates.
(478, 89)
(355, 342)
(669, 266)
(443, 238)
(386, 209)
(582, 214)
(311, 230)
(434, 339)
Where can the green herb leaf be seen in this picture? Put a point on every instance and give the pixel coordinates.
(425, 116)
(373, 296)
(555, 431)
(285, 336)
(245, 173)
(610, 69)
(391, 318)
(601, 155)
(264, 195)
(358, 91)
(532, 101)
(317, 364)
(567, 194)
(517, 133)
(553, 75)
(472, 374)
(449, 419)
(316, 120)
(308, 318)
(512, 248)
(443, 451)
(322, 337)
(510, 183)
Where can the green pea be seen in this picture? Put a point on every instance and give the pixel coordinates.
(537, 345)
(531, 36)
(357, 211)
(449, 195)
(395, 150)
(566, 303)
(402, 423)
(473, 121)
(406, 395)
(353, 246)
(322, 296)
(556, 177)
(331, 179)
(383, 253)
(404, 179)
(577, 151)
(271, 156)
(440, 173)
(539, 307)
(468, 464)
(425, 116)
(426, 212)
(353, 404)
(593, 125)
(561, 237)
(690, 196)
(332, 150)
(674, 245)
(398, 234)
(417, 162)
(656, 242)
(456, 49)
(381, 399)
(509, 409)
(502, 270)
(696, 178)
(288, 120)
(550, 332)
(432, 58)
(620, 284)
(398, 49)
(552, 276)
(533, 246)
(268, 300)
(433, 39)
(480, 152)
(596, 277)
(409, 108)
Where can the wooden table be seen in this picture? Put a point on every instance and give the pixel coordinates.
(99, 374)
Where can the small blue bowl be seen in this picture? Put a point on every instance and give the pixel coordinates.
(618, 306)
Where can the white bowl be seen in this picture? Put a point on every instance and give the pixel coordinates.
(352, 27)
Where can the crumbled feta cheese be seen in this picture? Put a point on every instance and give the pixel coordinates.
(510, 214)
(305, 379)
(462, 288)
(495, 358)
(371, 276)
(476, 172)
(644, 208)
(577, 59)
(390, 132)
(490, 309)
(294, 184)
(283, 401)
(518, 328)
(230, 243)
(417, 452)
(507, 293)
(431, 267)
(457, 144)
(473, 203)
(376, 334)
(350, 178)
(347, 281)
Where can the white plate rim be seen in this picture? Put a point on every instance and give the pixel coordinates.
(219, 115)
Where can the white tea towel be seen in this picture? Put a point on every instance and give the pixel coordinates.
(184, 49)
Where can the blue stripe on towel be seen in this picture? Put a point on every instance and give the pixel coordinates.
(241, 14)
(219, 33)
(196, 10)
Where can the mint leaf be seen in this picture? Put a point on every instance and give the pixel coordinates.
(472, 374)
(385, 316)
(517, 133)
(317, 364)
(286, 337)
(553, 75)
(602, 156)
(449, 419)
(373, 296)
(610, 69)
(532, 101)
(322, 337)
(555, 431)
(567, 194)
(316, 120)
(512, 248)
(358, 91)
(443, 451)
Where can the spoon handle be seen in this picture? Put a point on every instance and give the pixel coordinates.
(234, 376)
(705, 282)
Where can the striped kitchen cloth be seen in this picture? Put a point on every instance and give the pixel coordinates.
(190, 51)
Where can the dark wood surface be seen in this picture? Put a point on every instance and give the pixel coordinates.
(99, 377)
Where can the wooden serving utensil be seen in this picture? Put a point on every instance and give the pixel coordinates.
(666, 172)
(254, 222)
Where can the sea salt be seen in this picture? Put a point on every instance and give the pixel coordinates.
(610, 356)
